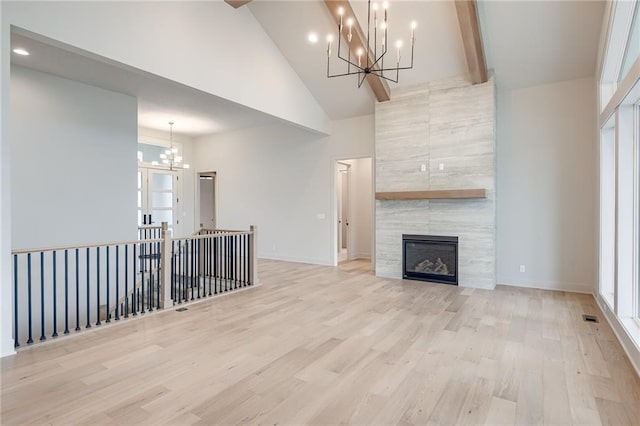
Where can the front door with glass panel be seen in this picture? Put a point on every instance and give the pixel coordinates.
(158, 198)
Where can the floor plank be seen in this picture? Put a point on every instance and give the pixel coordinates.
(322, 345)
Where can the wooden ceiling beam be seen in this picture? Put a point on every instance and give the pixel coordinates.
(467, 11)
(236, 3)
(378, 85)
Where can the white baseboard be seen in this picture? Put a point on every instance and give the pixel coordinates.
(360, 255)
(548, 285)
(2, 355)
(285, 258)
(622, 333)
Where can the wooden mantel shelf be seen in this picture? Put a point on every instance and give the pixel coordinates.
(439, 194)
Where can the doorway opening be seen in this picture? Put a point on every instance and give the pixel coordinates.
(353, 231)
(207, 199)
(343, 178)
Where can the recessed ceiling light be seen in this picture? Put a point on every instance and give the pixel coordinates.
(20, 51)
(313, 37)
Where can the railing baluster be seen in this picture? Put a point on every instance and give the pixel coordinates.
(209, 262)
(173, 266)
(250, 261)
(191, 270)
(159, 251)
(151, 279)
(66, 292)
(215, 265)
(235, 262)
(134, 309)
(16, 336)
(117, 283)
(198, 262)
(108, 313)
(126, 280)
(77, 289)
(227, 285)
(143, 252)
(55, 297)
(88, 290)
(177, 261)
(42, 336)
(98, 286)
(30, 340)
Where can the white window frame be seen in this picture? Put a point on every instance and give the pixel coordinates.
(619, 100)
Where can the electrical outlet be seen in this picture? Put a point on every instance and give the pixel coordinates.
(423, 167)
(441, 167)
(523, 268)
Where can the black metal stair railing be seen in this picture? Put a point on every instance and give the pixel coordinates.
(60, 290)
(211, 263)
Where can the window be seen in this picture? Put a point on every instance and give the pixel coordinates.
(636, 309)
(632, 50)
(607, 212)
(619, 261)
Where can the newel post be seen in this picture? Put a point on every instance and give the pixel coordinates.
(254, 254)
(165, 268)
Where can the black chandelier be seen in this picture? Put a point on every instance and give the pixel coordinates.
(372, 63)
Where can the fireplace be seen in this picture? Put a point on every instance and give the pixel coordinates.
(430, 258)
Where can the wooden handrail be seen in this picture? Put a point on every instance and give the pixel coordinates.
(73, 247)
(203, 236)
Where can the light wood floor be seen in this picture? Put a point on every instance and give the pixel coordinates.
(321, 345)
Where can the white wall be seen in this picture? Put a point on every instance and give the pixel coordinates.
(546, 186)
(74, 162)
(281, 178)
(161, 37)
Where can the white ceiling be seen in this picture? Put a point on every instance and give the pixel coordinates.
(529, 43)
(526, 43)
(438, 53)
(160, 100)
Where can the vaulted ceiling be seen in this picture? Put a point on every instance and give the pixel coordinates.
(439, 52)
(526, 43)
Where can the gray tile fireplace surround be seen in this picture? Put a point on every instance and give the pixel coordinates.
(449, 123)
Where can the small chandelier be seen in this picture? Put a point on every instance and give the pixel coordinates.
(371, 63)
(170, 157)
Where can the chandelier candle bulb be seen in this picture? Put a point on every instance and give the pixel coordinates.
(374, 62)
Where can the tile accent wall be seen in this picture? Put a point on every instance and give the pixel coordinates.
(446, 122)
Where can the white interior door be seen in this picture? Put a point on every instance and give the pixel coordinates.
(159, 198)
